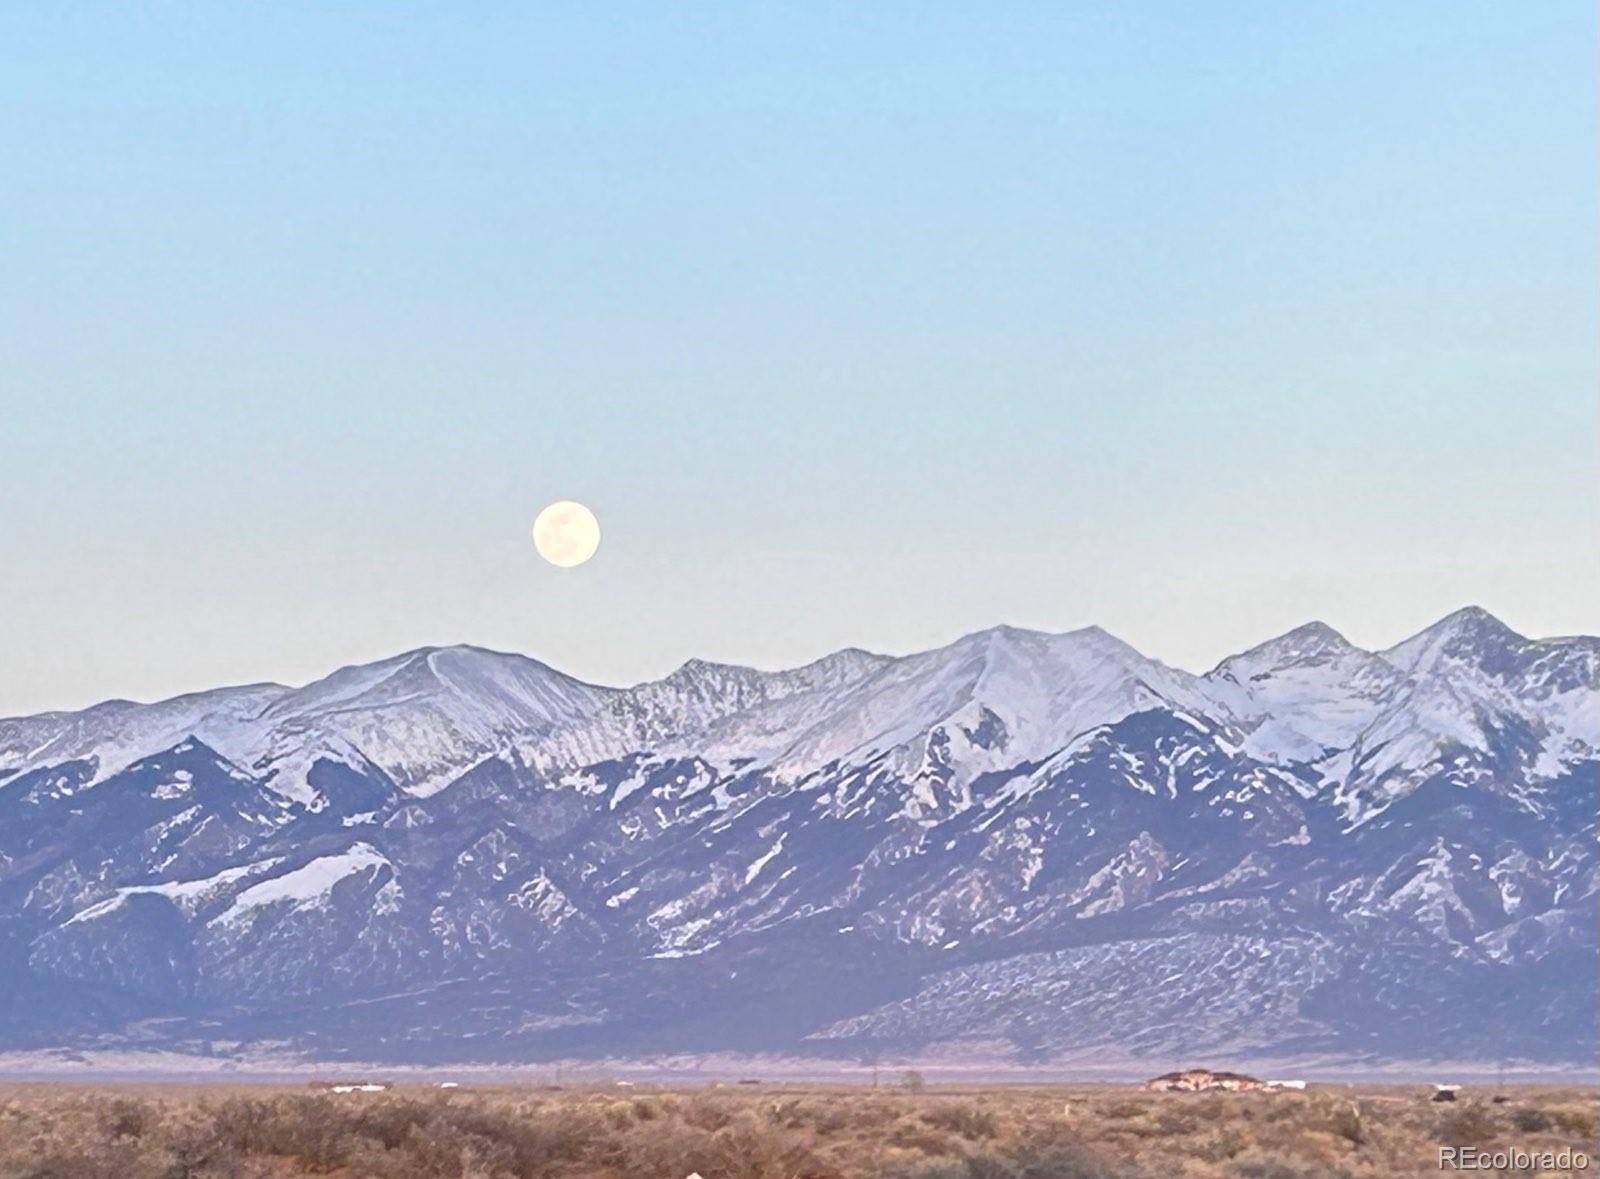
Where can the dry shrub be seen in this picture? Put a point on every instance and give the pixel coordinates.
(705, 1114)
(1577, 1120)
(1050, 1153)
(1127, 1109)
(669, 1150)
(813, 1133)
(952, 1168)
(924, 1140)
(1471, 1125)
(397, 1138)
(1177, 1123)
(1287, 1169)
(747, 1149)
(1058, 1160)
(1285, 1107)
(826, 1119)
(1531, 1121)
(123, 1117)
(1228, 1144)
(1345, 1122)
(962, 1118)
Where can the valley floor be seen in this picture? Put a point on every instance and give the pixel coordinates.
(756, 1130)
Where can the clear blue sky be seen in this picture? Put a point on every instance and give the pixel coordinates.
(856, 324)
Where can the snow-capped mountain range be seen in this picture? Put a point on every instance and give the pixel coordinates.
(1020, 845)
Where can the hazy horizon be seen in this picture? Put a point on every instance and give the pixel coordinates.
(578, 674)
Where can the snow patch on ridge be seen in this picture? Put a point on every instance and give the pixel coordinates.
(307, 886)
(188, 895)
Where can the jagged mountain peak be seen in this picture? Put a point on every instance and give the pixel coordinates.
(697, 669)
(1303, 694)
(121, 706)
(994, 650)
(1004, 636)
(495, 679)
(422, 716)
(704, 678)
(1474, 619)
(1503, 683)
(113, 733)
(1030, 693)
(1311, 642)
(845, 661)
(1468, 635)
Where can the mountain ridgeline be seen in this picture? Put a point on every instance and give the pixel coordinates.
(1022, 846)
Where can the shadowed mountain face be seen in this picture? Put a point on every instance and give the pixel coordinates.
(1022, 845)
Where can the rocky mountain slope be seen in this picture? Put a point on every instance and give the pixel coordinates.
(1021, 845)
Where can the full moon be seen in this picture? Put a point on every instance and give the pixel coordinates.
(566, 533)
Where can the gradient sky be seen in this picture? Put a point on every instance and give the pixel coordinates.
(862, 324)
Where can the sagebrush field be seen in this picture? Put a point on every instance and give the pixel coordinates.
(767, 1131)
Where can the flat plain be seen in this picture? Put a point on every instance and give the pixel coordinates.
(71, 1130)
